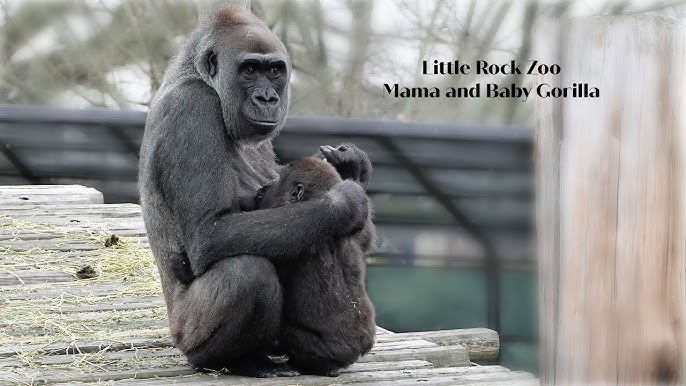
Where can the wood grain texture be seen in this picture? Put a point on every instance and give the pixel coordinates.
(610, 202)
(482, 344)
(108, 330)
(48, 194)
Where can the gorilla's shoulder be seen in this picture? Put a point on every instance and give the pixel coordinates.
(179, 101)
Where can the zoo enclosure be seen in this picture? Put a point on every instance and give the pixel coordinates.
(445, 195)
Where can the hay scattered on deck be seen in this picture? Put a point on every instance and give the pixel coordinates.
(76, 311)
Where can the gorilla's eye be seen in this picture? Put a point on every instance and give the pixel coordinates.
(250, 70)
(274, 71)
(212, 63)
(342, 148)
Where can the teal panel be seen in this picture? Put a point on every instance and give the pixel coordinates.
(519, 356)
(518, 303)
(419, 298)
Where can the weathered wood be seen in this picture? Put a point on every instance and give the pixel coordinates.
(84, 347)
(401, 345)
(97, 330)
(439, 356)
(35, 292)
(49, 194)
(611, 202)
(514, 378)
(381, 330)
(132, 210)
(456, 374)
(169, 370)
(34, 276)
(482, 344)
(37, 379)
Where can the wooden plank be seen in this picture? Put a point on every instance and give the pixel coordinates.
(183, 376)
(170, 371)
(34, 276)
(514, 378)
(33, 292)
(43, 199)
(402, 345)
(84, 347)
(57, 235)
(482, 344)
(33, 194)
(38, 379)
(104, 209)
(77, 222)
(128, 355)
(163, 377)
(382, 331)
(612, 202)
(365, 377)
(439, 356)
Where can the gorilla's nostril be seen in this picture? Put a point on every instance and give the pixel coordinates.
(265, 97)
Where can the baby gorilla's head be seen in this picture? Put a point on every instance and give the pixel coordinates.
(301, 180)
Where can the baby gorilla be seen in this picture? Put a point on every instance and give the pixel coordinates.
(328, 319)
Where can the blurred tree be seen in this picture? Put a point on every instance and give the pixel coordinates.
(54, 49)
(113, 52)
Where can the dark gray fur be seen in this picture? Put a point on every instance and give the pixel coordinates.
(200, 154)
(328, 319)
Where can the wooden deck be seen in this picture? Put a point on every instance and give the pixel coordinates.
(58, 324)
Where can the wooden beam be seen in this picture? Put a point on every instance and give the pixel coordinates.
(611, 202)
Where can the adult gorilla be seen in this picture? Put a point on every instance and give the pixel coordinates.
(207, 145)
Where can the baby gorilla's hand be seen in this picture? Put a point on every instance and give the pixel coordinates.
(350, 203)
(349, 161)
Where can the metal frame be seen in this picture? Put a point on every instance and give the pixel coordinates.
(385, 132)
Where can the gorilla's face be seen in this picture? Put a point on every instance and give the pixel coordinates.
(263, 79)
(302, 180)
(249, 69)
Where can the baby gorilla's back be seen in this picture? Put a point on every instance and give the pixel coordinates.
(328, 320)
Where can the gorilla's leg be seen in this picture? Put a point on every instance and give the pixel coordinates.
(229, 316)
(310, 354)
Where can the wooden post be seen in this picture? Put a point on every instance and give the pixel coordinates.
(611, 207)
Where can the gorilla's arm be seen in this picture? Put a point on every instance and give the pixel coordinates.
(279, 233)
(367, 237)
(201, 190)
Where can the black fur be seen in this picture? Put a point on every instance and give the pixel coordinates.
(207, 143)
(328, 319)
(350, 162)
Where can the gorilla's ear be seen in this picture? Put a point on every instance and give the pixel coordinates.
(297, 193)
(212, 63)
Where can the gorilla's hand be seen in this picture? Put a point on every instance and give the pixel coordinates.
(181, 267)
(352, 209)
(350, 162)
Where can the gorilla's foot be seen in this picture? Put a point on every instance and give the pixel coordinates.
(261, 368)
(317, 366)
